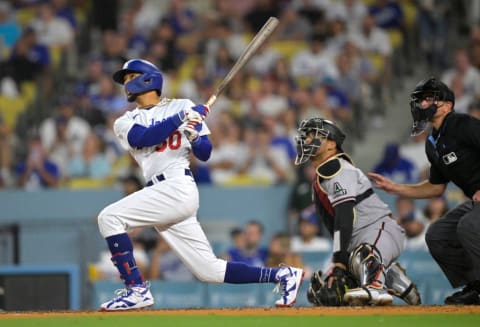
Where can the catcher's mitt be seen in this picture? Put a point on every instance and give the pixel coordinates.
(331, 291)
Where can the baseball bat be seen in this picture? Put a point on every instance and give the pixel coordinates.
(262, 35)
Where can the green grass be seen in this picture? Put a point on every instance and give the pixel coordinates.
(457, 320)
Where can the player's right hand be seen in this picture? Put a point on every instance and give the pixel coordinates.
(192, 132)
(202, 109)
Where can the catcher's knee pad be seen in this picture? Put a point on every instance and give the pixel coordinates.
(365, 264)
(400, 285)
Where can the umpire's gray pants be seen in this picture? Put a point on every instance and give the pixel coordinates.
(454, 242)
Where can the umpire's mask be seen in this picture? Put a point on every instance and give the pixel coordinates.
(431, 90)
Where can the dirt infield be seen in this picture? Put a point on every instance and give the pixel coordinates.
(318, 311)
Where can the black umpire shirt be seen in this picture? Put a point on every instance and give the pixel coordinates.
(454, 153)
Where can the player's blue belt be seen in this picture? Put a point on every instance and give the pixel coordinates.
(161, 177)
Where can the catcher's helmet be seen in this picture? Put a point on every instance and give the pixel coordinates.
(150, 78)
(322, 129)
(430, 87)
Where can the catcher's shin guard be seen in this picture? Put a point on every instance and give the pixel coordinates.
(366, 265)
(399, 285)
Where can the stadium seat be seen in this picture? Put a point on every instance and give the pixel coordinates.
(11, 108)
(289, 48)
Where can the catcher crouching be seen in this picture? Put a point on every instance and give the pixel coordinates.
(366, 239)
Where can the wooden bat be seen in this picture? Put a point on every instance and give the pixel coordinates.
(247, 54)
(262, 35)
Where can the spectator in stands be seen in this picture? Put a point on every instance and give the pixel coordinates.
(53, 31)
(408, 217)
(466, 74)
(432, 22)
(265, 60)
(462, 97)
(63, 9)
(396, 167)
(253, 253)
(37, 171)
(300, 198)
(388, 14)
(338, 102)
(237, 249)
(190, 87)
(106, 97)
(265, 163)
(230, 152)
(77, 129)
(131, 184)
(163, 48)
(221, 34)
(372, 39)
(474, 45)
(337, 35)
(350, 11)
(10, 30)
(375, 43)
(307, 239)
(279, 252)
(314, 63)
(61, 151)
(92, 162)
(414, 151)
(435, 208)
(271, 103)
(292, 27)
(113, 49)
(166, 265)
(259, 14)
(28, 60)
(312, 102)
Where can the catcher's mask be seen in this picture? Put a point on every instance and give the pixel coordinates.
(428, 89)
(310, 135)
(150, 78)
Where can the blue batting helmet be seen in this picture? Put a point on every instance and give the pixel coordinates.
(150, 78)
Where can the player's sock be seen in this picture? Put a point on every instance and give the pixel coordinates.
(241, 273)
(121, 248)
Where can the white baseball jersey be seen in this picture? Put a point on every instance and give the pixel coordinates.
(171, 154)
(169, 205)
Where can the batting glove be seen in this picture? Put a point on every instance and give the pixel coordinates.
(202, 109)
(192, 132)
(190, 116)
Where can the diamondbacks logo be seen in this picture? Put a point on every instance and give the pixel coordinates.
(338, 189)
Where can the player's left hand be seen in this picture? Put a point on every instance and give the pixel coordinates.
(202, 109)
(192, 131)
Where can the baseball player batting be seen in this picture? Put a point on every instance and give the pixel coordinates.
(366, 240)
(154, 134)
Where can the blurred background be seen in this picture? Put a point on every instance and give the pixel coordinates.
(352, 61)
